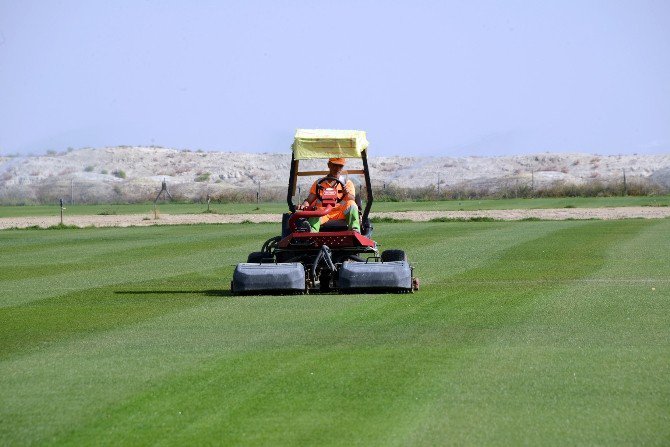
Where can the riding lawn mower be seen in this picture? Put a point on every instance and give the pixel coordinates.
(334, 258)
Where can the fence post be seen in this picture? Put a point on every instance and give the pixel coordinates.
(532, 182)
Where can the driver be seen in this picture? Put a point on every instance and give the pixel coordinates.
(346, 209)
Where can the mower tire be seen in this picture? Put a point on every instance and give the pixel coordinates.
(393, 255)
(258, 257)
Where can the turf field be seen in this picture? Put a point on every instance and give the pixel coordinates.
(540, 333)
(280, 207)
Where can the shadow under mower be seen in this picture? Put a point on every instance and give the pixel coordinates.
(334, 258)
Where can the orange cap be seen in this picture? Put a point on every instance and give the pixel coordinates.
(337, 161)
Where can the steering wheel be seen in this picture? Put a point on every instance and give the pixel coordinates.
(339, 185)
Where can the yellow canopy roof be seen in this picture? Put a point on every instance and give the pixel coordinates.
(328, 143)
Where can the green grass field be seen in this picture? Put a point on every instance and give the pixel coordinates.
(280, 207)
(536, 333)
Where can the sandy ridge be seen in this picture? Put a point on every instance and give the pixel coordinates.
(135, 174)
(142, 220)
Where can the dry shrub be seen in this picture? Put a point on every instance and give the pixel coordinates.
(124, 191)
(513, 189)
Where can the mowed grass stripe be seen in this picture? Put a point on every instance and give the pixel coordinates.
(366, 419)
(135, 359)
(92, 248)
(588, 363)
(197, 251)
(80, 319)
(386, 369)
(64, 305)
(442, 250)
(41, 324)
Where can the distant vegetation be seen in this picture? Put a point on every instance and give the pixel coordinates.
(201, 188)
(595, 188)
(394, 193)
(203, 177)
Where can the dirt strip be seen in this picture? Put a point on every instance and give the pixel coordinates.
(141, 220)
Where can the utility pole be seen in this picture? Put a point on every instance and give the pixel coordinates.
(625, 186)
(71, 191)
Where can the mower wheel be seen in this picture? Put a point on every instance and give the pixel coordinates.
(258, 257)
(393, 255)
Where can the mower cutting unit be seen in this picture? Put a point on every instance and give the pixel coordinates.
(334, 258)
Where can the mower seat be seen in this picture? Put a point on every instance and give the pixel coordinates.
(335, 225)
(331, 225)
(341, 224)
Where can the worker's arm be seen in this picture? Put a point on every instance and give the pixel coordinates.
(350, 190)
(307, 202)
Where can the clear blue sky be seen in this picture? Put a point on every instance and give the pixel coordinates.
(421, 77)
